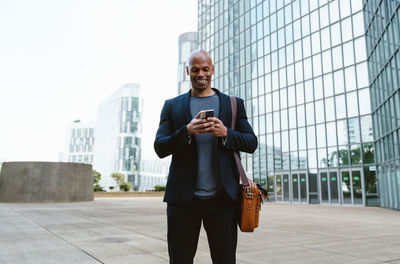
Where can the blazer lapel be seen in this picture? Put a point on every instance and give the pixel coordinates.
(186, 107)
(225, 111)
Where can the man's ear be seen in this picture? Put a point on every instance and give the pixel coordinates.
(187, 70)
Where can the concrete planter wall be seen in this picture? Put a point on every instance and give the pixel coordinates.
(45, 182)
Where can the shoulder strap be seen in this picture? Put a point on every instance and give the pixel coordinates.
(242, 173)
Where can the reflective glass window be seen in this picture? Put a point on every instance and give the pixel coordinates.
(334, 11)
(319, 111)
(326, 61)
(315, 43)
(335, 34)
(304, 7)
(275, 100)
(290, 74)
(337, 57)
(289, 33)
(321, 138)
(331, 134)
(292, 96)
(324, 16)
(344, 8)
(283, 98)
(348, 54)
(358, 24)
(292, 117)
(289, 54)
(284, 119)
(339, 82)
(285, 141)
(328, 85)
(300, 116)
(366, 129)
(364, 99)
(355, 154)
(346, 29)
(306, 47)
(362, 75)
(314, 20)
(350, 77)
(318, 88)
(302, 138)
(297, 51)
(325, 39)
(312, 158)
(322, 159)
(276, 121)
(293, 139)
(305, 25)
(360, 49)
(308, 87)
(311, 137)
(330, 109)
(342, 134)
(354, 130)
(340, 106)
(352, 105)
(296, 30)
(269, 122)
(300, 93)
(310, 113)
(299, 71)
(307, 67)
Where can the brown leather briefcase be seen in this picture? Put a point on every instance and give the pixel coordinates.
(251, 194)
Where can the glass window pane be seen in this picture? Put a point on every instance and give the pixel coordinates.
(331, 134)
(325, 39)
(322, 159)
(285, 141)
(319, 111)
(302, 138)
(337, 57)
(326, 61)
(310, 113)
(348, 54)
(339, 82)
(276, 121)
(366, 129)
(344, 8)
(315, 43)
(346, 29)
(284, 119)
(334, 11)
(335, 34)
(360, 49)
(300, 93)
(324, 16)
(293, 140)
(350, 76)
(321, 138)
(354, 130)
(342, 132)
(306, 47)
(352, 105)
(292, 117)
(328, 85)
(330, 109)
(364, 98)
(311, 137)
(358, 24)
(362, 75)
(300, 116)
(318, 88)
(312, 158)
(355, 154)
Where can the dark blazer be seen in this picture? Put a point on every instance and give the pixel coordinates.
(172, 138)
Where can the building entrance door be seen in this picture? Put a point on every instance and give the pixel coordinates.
(299, 187)
(352, 190)
(329, 187)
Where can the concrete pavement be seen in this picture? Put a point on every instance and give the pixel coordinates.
(133, 230)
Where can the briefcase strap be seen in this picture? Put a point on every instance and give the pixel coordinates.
(242, 173)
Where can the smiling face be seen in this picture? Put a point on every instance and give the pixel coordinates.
(200, 70)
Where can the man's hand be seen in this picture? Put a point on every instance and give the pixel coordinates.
(218, 129)
(199, 126)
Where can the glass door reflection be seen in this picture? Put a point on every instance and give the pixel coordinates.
(295, 188)
(333, 182)
(357, 187)
(346, 187)
(303, 187)
(285, 189)
(278, 189)
(324, 187)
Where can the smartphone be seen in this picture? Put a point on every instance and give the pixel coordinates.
(206, 113)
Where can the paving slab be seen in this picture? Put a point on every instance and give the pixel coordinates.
(133, 230)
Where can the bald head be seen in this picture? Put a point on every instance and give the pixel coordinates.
(200, 69)
(199, 54)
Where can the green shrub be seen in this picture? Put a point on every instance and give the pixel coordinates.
(159, 188)
(125, 186)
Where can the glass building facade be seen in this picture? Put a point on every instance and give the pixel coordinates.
(118, 136)
(301, 67)
(80, 142)
(382, 20)
(187, 43)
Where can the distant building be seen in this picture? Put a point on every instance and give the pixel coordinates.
(187, 44)
(79, 142)
(152, 173)
(118, 136)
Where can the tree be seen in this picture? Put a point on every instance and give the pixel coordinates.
(125, 186)
(96, 180)
(118, 177)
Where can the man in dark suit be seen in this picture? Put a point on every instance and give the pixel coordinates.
(203, 178)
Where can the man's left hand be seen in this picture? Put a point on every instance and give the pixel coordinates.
(218, 130)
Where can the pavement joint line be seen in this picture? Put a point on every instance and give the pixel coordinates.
(49, 231)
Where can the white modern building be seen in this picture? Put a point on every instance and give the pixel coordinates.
(152, 173)
(79, 142)
(187, 44)
(118, 136)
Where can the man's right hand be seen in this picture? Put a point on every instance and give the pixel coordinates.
(199, 126)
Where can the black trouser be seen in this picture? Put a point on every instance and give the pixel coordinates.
(219, 217)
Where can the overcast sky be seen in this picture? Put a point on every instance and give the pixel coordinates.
(60, 58)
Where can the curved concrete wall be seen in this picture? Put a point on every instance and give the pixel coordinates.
(42, 182)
